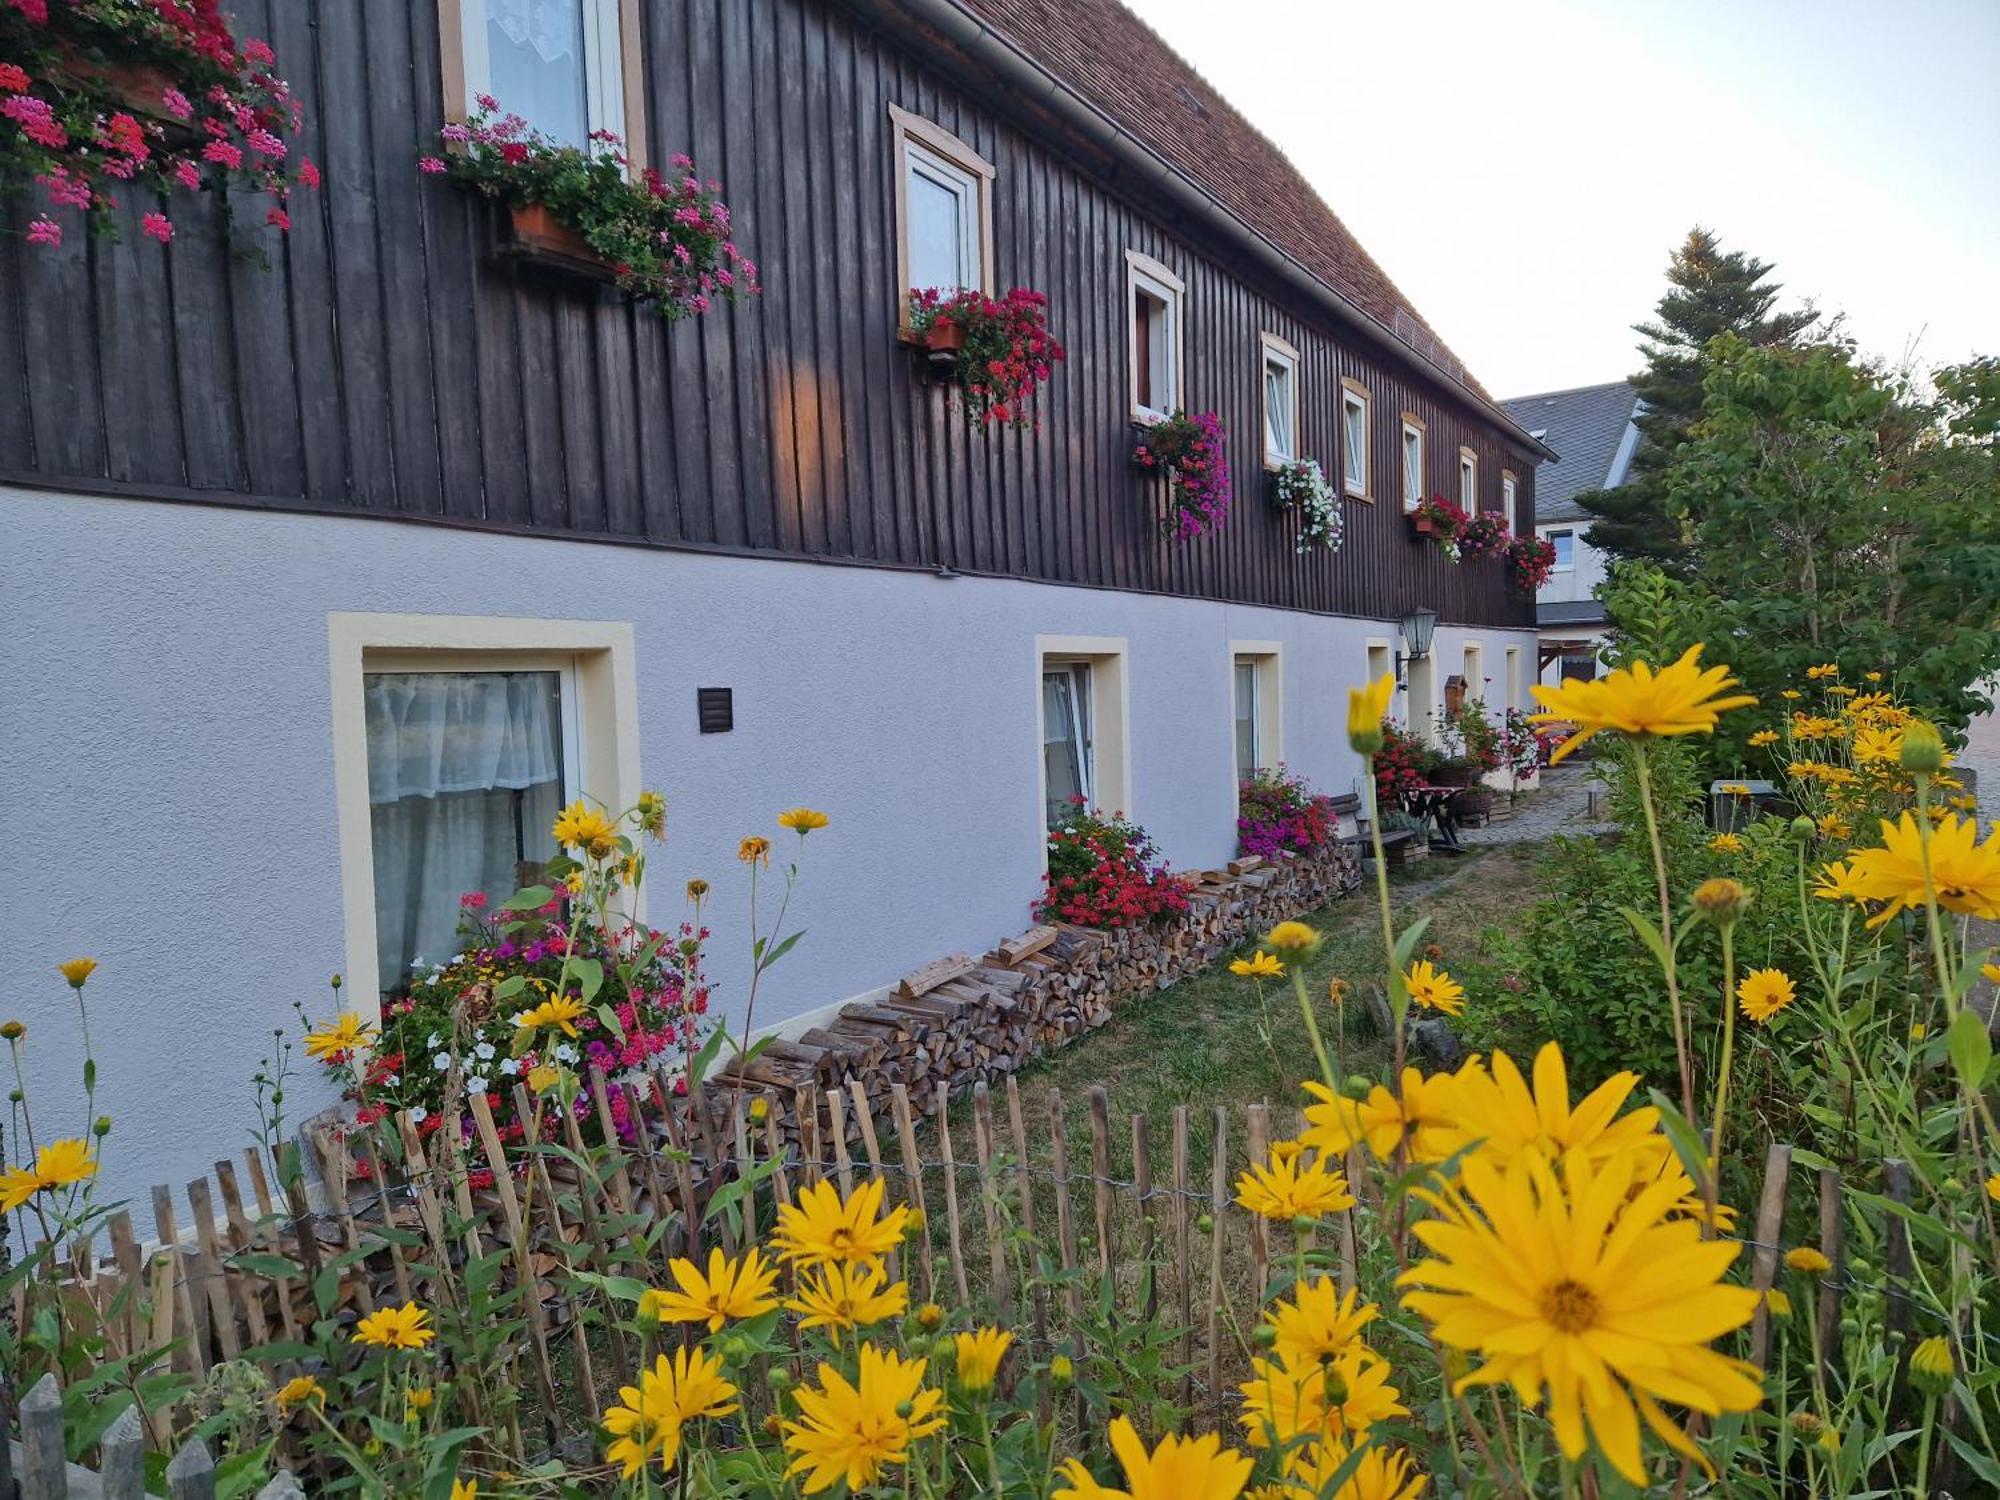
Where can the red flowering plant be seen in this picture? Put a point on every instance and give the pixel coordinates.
(1006, 352)
(1104, 872)
(1403, 764)
(1447, 519)
(1482, 535)
(551, 984)
(1194, 452)
(1529, 560)
(160, 95)
(1277, 811)
(666, 240)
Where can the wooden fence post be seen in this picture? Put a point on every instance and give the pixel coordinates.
(191, 1473)
(1764, 1260)
(1833, 1245)
(44, 1468)
(121, 1461)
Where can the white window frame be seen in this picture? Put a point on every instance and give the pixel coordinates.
(1510, 492)
(600, 729)
(1549, 534)
(1267, 704)
(922, 144)
(1280, 356)
(613, 72)
(1354, 476)
(1468, 481)
(1108, 778)
(1413, 494)
(1156, 280)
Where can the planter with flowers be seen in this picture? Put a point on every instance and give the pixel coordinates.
(1483, 535)
(153, 99)
(664, 242)
(1529, 561)
(1439, 519)
(1302, 486)
(1193, 452)
(994, 350)
(1278, 812)
(1104, 872)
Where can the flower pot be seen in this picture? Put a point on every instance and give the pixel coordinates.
(945, 337)
(534, 234)
(1421, 525)
(1454, 775)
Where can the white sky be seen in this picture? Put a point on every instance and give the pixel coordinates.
(1521, 168)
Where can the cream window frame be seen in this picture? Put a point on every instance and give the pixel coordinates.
(1110, 715)
(1472, 665)
(1513, 677)
(1268, 659)
(1355, 396)
(1157, 280)
(911, 131)
(1277, 353)
(614, 67)
(597, 657)
(1468, 481)
(1510, 498)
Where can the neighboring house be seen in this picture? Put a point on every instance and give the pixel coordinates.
(1594, 435)
(326, 579)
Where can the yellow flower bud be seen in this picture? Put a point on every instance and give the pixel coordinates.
(1923, 749)
(1931, 1366)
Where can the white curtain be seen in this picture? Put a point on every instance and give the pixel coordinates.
(464, 780)
(534, 52)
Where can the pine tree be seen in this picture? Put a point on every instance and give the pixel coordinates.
(1710, 291)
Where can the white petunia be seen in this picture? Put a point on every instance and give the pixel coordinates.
(510, 1065)
(475, 1085)
(484, 1050)
(565, 1052)
(441, 1061)
(435, 1041)
(418, 1114)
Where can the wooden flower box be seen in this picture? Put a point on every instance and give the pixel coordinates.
(1420, 525)
(531, 233)
(140, 87)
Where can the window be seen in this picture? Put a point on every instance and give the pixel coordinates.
(1468, 481)
(1380, 662)
(1083, 745)
(1508, 488)
(1066, 744)
(1565, 544)
(466, 772)
(1155, 294)
(944, 208)
(1254, 679)
(568, 67)
(1354, 436)
(1281, 401)
(1475, 673)
(1413, 462)
(456, 741)
(1513, 686)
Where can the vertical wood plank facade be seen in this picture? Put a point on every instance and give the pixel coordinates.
(384, 363)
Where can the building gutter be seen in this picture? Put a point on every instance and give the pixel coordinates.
(1029, 82)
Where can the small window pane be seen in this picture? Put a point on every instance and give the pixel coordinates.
(1357, 443)
(1413, 468)
(1278, 409)
(1065, 740)
(1468, 485)
(465, 777)
(1246, 718)
(535, 64)
(1155, 385)
(937, 210)
(1565, 545)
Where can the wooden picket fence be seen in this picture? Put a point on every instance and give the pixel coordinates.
(1032, 1207)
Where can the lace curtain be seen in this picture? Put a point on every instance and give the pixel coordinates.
(534, 59)
(465, 777)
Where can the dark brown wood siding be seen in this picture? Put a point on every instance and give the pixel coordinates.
(378, 360)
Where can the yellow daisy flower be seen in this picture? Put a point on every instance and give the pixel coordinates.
(1420, 1121)
(1384, 1473)
(1837, 882)
(1495, 1106)
(843, 1296)
(77, 970)
(405, 1327)
(581, 826)
(347, 1033)
(1764, 992)
(731, 1289)
(819, 1227)
(755, 850)
(1726, 843)
(1434, 989)
(647, 1421)
(1292, 940)
(1764, 737)
(559, 1011)
(1679, 699)
(1964, 872)
(1823, 670)
(1807, 1261)
(854, 1431)
(979, 1355)
(1288, 1188)
(1585, 1297)
(1340, 1397)
(1260, 965)
(1317, 1322)
(297, 1391)
(1180, 1468)
(803, 819)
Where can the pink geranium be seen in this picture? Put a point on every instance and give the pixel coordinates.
(158, 226)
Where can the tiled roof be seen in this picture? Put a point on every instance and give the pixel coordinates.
(1587, 428)
(1120, 65)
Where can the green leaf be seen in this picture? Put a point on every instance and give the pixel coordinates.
(783, 948)
(274, 1267)
(1399, 965)
(528, 898)
(589, 976)
(509, 987)
(1687, 1142)
(609, 1017)
(1970, 1047)
(1650, 936)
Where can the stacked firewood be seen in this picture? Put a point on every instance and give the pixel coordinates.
(961, 1019)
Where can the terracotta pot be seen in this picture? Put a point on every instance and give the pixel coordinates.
(945, 337)
(538, 235)
(1420, 524)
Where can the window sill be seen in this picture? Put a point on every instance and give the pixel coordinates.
(1362, 495)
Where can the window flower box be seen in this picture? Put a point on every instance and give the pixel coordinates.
(1420, 524)
(1192, 451)
(996, 350)
(531, 233)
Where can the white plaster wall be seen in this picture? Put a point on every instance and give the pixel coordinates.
(1581, 581)
(166, 746)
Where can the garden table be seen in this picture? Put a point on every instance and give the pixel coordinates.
(1431, 806)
